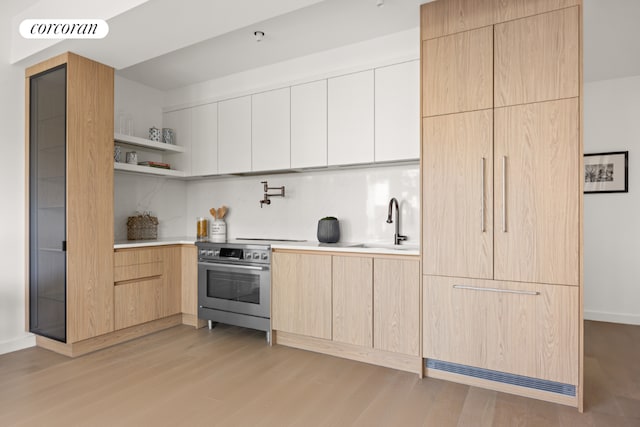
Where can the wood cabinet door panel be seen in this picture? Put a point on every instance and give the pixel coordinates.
(457, 237)
(353, 300)
(537, 174)
(396, 306)
(507, 10)
(138, 302)
(537, 58)
(171, 293)
(457, 73)
(521, 328)
(301, 294)
(441, 18)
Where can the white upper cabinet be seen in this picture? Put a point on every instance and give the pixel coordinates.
(204, 140)
(270, 128)
(350, 135)
(180, 122)
(397, 112)
(309, 125)
(234, 135)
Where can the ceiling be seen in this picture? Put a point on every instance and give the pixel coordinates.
(168, 44)
(321, 26)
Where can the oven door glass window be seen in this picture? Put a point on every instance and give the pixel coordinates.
(233, 286)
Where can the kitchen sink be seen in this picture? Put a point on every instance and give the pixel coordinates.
(386, 246)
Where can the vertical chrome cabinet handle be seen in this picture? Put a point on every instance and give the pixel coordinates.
(504, 194)
(482, 227)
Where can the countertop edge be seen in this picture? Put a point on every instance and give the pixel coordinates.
(126, 244)
(315, 247)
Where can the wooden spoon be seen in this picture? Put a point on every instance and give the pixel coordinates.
(212, 211)
(222, 211)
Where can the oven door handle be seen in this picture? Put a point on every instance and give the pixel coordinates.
(233, 266)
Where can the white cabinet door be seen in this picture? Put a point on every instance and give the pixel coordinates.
(204, 140)
(397, 115)
(270, 124)
(234, 135)
(350, 110)
(180, 122)
(309, 125)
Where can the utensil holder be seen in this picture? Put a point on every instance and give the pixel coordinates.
(218, 231)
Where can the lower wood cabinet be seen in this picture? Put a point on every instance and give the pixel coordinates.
(353, 300)
(147, 285)
(520, 328)
(301, 294)
(396, 302)
(363, 307)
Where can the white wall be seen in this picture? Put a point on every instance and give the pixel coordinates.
(397, 47)
(12, 213)
(164, 198)
(611, 221)
(143, 103)
(357, 197)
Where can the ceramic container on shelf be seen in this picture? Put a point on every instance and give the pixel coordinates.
(132, 158)
(168, 136)
(218, 231)
(329, 230)
(154, 134)
(117, 154)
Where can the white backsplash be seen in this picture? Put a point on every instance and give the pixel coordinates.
(162, 197)
(359, 198)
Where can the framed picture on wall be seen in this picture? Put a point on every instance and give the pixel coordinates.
(606, 172)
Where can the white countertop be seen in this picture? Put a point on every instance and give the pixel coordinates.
(123, 244)
(355, 247)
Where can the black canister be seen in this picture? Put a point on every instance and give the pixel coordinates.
(329, 230)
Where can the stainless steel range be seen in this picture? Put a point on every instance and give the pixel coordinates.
(234, 284)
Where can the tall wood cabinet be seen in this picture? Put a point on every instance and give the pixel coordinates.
(502, 195)
(69, 140)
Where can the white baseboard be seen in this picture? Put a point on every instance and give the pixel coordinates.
(17, 344)
(603, 316)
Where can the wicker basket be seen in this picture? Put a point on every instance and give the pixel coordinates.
(142, 227)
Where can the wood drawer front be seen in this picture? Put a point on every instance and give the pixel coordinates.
(138, 302)
(137, 256)
(521, 328)
(138, 271)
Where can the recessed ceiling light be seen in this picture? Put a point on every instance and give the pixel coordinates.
(380, 3)
(258, 35)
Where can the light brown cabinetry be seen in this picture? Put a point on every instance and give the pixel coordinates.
(458, 194)
(502, 196)
(301, 294)
(83, 243)
(537, 206)
(396, 302)
(458, 72)
(368, 306)
(520, 328)
(537, 58)
(149, 285)
(352, 280)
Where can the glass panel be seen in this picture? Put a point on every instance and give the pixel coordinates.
(47, 222)
(233, 286)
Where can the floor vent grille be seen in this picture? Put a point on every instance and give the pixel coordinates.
(502, 377)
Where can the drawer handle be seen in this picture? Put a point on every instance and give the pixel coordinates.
(503, 291)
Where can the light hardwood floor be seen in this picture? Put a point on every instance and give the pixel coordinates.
(229, 376)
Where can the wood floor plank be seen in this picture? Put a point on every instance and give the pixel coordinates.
(229, 376)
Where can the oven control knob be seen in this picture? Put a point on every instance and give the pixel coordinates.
(216, 253)
(265, 256)
(209, 252)
(203, 252)
(256, 255)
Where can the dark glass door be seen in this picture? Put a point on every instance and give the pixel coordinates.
(47, 201)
